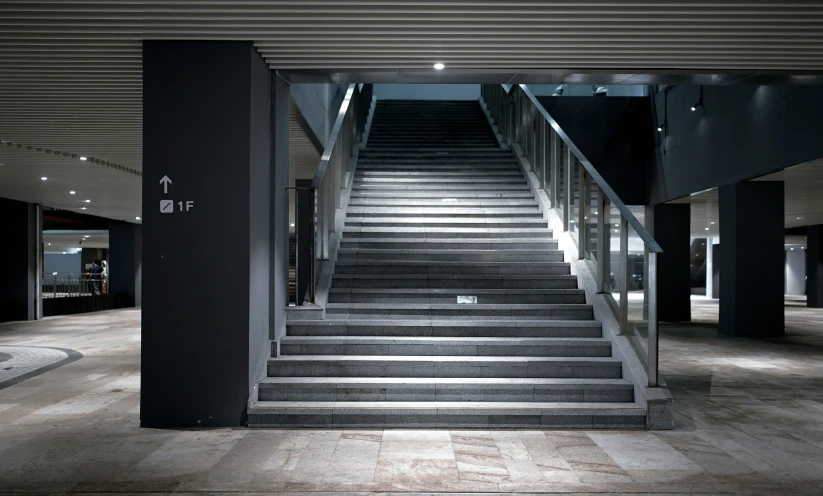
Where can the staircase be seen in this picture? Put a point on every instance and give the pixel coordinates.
(440, 215)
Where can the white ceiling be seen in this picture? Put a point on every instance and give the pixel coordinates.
(62, 241)
(71, 72)
(803, 200)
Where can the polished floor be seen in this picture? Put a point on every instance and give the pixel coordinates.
(749, 417)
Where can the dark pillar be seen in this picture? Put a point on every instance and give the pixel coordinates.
(671, 229)
(125, 267)
(752, 259)
(207, 239)
(814, 267)
(20, 251)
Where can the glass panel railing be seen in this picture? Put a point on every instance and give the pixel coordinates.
(608, 234)
(637, 328)
(574, 199)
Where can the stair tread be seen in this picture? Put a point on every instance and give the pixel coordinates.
(480, 381)
(438, 358)
(456, 291)
(442, 340)
(444, 323)
(517, 408)
(459, 306)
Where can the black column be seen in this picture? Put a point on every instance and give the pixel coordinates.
(125, 267)
(814, 266)
(19, 251)
(206, 233)
(752, 259)
(671, 229)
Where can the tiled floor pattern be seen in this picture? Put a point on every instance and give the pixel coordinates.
(749, 421)
(16, 361)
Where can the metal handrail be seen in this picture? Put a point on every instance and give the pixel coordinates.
(333, 136)
(525, 124)
(604, 186)
(326, 188)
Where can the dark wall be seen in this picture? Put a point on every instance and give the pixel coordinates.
(740, 132)
(615, 133)
(200, 102)
(19, 253)
(671, 230)
(259, 212)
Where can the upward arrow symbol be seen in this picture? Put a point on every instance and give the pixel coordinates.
(165, 182)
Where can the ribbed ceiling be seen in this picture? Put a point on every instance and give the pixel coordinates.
(70, 72)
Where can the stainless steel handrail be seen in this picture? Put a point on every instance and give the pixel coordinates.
(604, 186)
(329, 181)
(525, 124)
(320, 173)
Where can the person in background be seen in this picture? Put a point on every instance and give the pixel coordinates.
(96, 271)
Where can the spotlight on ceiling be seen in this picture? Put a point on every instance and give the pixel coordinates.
(661, 127)
(439, 66)
(72, 192)
(44, 178)
(88, 201)
(137, 218)
(83, 158)
(558, 91)
(601, 90)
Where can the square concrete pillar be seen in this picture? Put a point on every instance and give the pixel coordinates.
(752, 259)
(207, 235)
(21, 251)
(814, 267)
(670, 224)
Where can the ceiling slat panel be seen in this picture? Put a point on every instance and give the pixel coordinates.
(71, 72)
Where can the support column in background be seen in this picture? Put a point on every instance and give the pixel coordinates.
(125, 268)
(671, 228)
(21, 251)
(752, 257)
(206, 240)
(814, 266)
(712, 289)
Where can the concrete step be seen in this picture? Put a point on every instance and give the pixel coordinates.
(491, 223)
(348, 255)
(366, 266)
(450, 244)
(382, 311)
(445, 232)
(453, 281)
(442, 187)
(444, 296)
(445, 389)
(444, 366)
(446, 328)
(439, 346)
(425, 180)
(369, 173)
(357, 211)
(439, 195)
(442, 414)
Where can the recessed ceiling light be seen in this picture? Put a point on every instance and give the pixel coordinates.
(799, 218)
(85, 236)
(44, 178)
(49, 244)
(88, 201)
(292, 225)
(712, 223)
(83, 159)
(439, 66)
(82, 208)
(137, 218)
(72, 192)
(707, 228)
